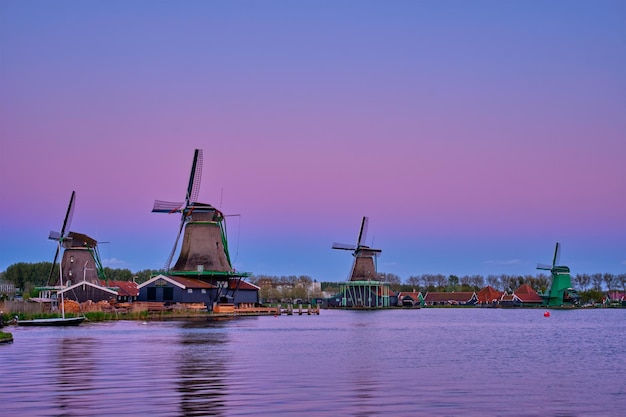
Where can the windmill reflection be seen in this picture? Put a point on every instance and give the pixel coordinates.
(203, 369)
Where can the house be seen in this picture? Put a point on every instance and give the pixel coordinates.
(527, 296)
(450, 298)
(410, 299)
(509, 300)
(127, 291)
(242, 292)
(489, 296)
(167, 288)
(170, 289)
(87, 291)
(615, 298)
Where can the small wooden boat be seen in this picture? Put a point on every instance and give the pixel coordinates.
(57, 321)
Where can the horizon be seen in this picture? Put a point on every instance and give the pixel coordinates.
(473, 135)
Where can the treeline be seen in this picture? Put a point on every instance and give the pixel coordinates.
(26, 276)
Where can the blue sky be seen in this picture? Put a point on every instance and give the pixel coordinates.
(473, 134)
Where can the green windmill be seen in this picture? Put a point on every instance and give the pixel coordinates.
(560, 292)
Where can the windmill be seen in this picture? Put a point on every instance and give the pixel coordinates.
(204, 249)
(62, 238)
(363, 290)
(364, 266)
(560, 291)
(80, 260)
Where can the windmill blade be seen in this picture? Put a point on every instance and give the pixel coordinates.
(343, 246)
(194, 179)
(169, 259)
(544, 266)
(58, 236)
(362, 232)
(161, 206)
(557, 254)
(54, 261)
(68, 215)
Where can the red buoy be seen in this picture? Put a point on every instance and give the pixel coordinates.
(546, 314)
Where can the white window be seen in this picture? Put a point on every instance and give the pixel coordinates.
(203, 291)
(190, 290)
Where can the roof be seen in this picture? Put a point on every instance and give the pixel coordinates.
(90, 284)
(413, 295)
(527, 295)
(461, 296)
(179, 281)
(488, 294)
(124, 288)
(240, 284)
(615, 295)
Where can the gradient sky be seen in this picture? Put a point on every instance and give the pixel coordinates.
(473, 134)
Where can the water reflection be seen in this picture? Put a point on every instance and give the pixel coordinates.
(203, 367)
(74, 370)
(433, 362)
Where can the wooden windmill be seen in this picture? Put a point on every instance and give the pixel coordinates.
(560, 291)
(363, 290)
(204, 249)
(80, 260)
(364, 265)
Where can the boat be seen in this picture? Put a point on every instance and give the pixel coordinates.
(59, 237)
(55, 321)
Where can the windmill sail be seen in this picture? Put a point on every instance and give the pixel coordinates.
(59, 236)
(185, 208)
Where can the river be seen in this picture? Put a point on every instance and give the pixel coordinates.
(423, 362)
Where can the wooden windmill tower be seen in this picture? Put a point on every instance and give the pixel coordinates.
(363, 290)
(80, 260)
(560, 292)
(204, 250)
(364, 265)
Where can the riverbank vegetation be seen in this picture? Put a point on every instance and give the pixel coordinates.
(5, 337)
(25, 277)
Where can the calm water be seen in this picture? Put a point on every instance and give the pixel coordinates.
(428, 362)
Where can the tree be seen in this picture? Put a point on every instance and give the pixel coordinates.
(25, 276)
(494, 281)
(597, 282)
(478, 282)
(582, 281)
(453, 283)
(609, 280)
(441, 281)
(414, 281)
(390, 278)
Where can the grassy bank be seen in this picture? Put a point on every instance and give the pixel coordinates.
(5, 337)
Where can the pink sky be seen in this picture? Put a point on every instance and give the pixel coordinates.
(473, 134)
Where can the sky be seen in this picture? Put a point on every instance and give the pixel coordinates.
(474, 135)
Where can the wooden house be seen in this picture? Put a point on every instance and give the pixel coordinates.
(527, 296)
(489, 296)
(450, 298)
(175, 289)
(127, 291)
(87, 291)
(410, 299)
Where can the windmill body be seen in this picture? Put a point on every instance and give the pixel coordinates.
(203, 253)
(203, 244)
(80, 260)
(560, 292)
